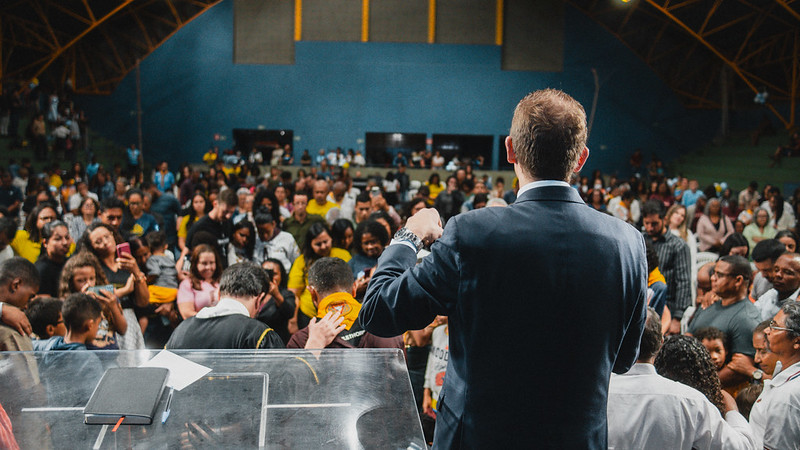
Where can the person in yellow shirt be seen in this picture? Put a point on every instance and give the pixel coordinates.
(435, 185)
(210, 158)
(320, 205)
(318, 244)
(28, 241)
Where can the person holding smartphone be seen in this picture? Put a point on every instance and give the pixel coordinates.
(82, 274)
(121, 271)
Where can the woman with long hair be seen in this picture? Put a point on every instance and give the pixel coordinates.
(199, 207)
(243, 241)
(87, 215)
(342, 234)
(713, 227)
(56, 243)
(199, 289)
(318, 244)
(279, 305)
(83, 272)
(678, 224)
(28, 241)
(685, 360)
(122, 271)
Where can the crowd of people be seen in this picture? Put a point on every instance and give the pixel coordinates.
(228, 256)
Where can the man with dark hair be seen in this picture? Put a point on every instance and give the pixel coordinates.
(674, 261)
(786, 286)
(218, 222)
(337, 325)
(111, 213)
(272, 242)
(301, 220)
(549, 236)
(46, 321)
(230, 324)
(19, 282)
(646, 410)
(764, 255)
(363, 207)
(733, 314)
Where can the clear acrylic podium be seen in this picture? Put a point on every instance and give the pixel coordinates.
(250, 399)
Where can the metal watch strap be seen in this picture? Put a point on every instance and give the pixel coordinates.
(404, 234)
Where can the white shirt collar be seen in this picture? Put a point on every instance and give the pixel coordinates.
(541, 183)
(226, 307)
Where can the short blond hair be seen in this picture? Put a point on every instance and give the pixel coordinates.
(548, 134)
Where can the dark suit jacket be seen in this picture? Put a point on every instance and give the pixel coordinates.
(545, 298)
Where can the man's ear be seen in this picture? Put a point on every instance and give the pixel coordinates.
(50, 329)
(14, 285)
(314, 295)
(260, 300)
(582, 159)
(353, 290)
(511, 156)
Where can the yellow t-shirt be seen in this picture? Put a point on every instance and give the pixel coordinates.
(435, 189)
(322, 211)
(24, 247)
(298, 280)
(183, 229)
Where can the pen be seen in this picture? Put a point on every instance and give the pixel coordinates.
(165, 414)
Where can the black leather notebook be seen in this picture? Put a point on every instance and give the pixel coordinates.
(132, 392)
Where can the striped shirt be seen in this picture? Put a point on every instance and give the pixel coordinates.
(674, 263)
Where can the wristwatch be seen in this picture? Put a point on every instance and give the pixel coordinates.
(404, 234)
(758, 375)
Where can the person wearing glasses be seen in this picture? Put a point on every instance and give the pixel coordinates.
(775, 417)
(733, 314)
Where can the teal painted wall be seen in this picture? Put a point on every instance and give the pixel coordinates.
(335, 92)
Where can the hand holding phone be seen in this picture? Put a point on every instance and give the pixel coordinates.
(123, 248)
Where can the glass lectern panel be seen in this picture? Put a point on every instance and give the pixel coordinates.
(265, 399)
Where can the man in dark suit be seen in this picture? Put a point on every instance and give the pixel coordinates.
(544, 298)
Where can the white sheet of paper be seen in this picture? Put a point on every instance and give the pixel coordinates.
(182, 372)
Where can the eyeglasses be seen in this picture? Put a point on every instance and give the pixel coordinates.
(722, 275)
(773, 326)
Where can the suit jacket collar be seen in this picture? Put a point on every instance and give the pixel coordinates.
(552, 193)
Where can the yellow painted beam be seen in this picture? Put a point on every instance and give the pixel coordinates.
(364, 20)
(298, 20)
(77, 38)
(431, 21)
(735, 67)
(498, 29)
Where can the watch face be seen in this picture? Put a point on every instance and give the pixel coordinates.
(758, 374)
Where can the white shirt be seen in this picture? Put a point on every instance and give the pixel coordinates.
(769, 304)
(775, 417)
(282, 247)
(646, 410)
(226, 307)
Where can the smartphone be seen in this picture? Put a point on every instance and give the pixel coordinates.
(375, 191)
(97, 289)
(187, 265)
(123, 248)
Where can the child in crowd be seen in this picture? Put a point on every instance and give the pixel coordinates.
(44, 314)
(162, 279)
(714, 341)
(83, 316)
(83, 272)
